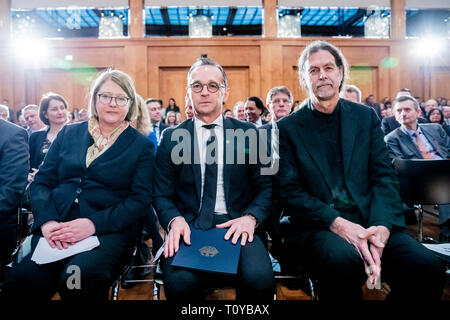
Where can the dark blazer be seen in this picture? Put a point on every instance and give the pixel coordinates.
(113, 192)
(14, 164)
(389, 124)
(37, 138)
(400, 144)
(177, 187)
(304, 175)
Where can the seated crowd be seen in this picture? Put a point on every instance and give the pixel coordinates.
(328, 196)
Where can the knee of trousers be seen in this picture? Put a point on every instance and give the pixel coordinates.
(341, 266)
(84, 281)
(180, 283)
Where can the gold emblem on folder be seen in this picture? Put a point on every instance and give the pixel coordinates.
(208, 251)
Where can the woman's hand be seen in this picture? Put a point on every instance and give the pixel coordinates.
(47, 229)
(73, 231)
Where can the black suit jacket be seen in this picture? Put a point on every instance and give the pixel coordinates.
(36, 140)
(14, 164)
(401, 146)
(177, 187)
(113, 192)
(389, 124)
(304, 175)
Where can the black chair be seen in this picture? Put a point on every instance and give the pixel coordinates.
(423, 182)
(4, 263)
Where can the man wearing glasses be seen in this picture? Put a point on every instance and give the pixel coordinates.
(203, 194)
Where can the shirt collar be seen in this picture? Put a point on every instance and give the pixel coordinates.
(411, 132)
(199, 123)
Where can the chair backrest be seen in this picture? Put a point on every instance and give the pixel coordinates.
(424, 182)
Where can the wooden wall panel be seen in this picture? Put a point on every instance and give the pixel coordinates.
(172, 84)
(257, 64)
(365, 78)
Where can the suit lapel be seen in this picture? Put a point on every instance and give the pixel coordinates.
(408, 143)
(349, 122)
(195, 158)
(227, 124)
(312, 142)
(431, 139)
(123, 141)
(86, 142)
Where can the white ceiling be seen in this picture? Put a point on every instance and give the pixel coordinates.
(290, 3)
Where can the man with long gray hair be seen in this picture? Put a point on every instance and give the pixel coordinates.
(340, 193)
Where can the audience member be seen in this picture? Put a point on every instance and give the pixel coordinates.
(4, 112)
(370, 102)
(340, 193)
(228, 113)
(351, 93)
(254, 108)
(53, 113)
(435, 115)
(419, 141)
(178, 118)
(239, 112)
(14, 164)
(428, 105)
(154, 111)
(11, 112)
(388, 124)
(76, 194)
(172, 106)
(446, 112)
(237, 204)
(188, 108)
(83, 115)
(171, 119)
(32, 119)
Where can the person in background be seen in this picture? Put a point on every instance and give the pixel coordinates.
(435, 115)
(351, 93)
(188, 108)
(178, 117)
(32, 119)
(254, 109)
(53, 113)
(228, 113)
(171, 119)
(239, 112)
(4, 112)
(96, 180)
(83, 115)
(172, 106)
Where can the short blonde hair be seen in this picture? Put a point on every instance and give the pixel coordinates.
(122, 80)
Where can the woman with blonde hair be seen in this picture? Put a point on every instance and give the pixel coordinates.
(171, 119)
(96, 180)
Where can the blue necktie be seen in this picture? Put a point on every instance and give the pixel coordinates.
(205, 217)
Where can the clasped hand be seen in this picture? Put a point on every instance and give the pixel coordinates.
(64, 234)
(369, 243)
(243, 227)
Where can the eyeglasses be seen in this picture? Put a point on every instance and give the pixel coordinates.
(106, 99)
(212, 86)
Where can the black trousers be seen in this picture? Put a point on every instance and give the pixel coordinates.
(254, 280)
(98, 269)
(412, 271)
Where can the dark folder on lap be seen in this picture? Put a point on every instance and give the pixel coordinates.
(209, 251)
